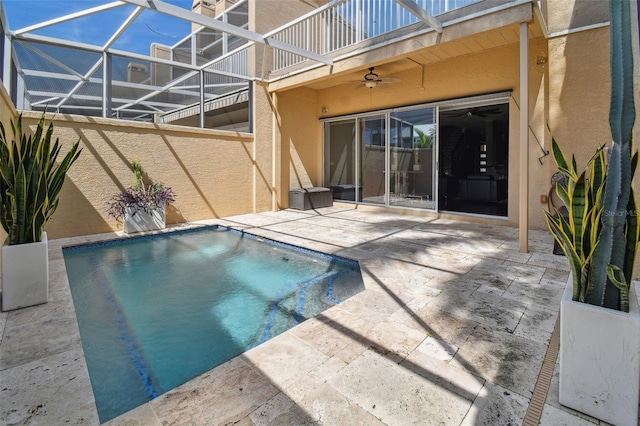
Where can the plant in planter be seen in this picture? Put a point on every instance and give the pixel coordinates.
(599, 314)
(30, 182)
(141, 207)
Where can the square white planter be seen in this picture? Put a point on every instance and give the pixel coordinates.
(138, 220)
(25, 274)
(600, 359)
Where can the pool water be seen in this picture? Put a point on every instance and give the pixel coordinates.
(157, 311)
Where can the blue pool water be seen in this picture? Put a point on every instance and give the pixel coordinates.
(157, 311)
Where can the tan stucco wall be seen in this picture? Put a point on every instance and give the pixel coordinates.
(490, 71)
(210, 171)
(579, 92)
(563, 15)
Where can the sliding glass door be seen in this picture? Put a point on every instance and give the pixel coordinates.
(372, 149)
(385, 159)
(412, 163)
(340, 159)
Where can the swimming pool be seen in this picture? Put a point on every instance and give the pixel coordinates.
(157, 311)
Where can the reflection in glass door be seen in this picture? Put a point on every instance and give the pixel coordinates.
(412, 160)
(340, 159)
(372, 159)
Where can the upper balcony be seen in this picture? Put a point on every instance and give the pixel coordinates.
(210, 68)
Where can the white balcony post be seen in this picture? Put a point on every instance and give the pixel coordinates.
(523, 222)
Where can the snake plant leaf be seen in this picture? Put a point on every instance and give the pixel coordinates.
(566, 243)
(577, 211)
(563, 194)
(634, 164)
(559, 157)
(617, 278)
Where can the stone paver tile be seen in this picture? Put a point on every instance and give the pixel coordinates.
(496, 406)
(445, 375)
(296, 241)
(394, 340)
(437, 349)
(557, 417)
(492, 278)
(332, 332)
(549, 260)
(60, 306)
(396, 395)
(52, 390)
(57, 266)
(383, 268)
(223, 395)
(556, 275)
(322, 233)
(280, 410)
(140, 416)
(483, 311)
(442, 325)
(35, 340)
(539, 318)
(510, 271)
(58, 282)
(327, 406)
(546, 293)
(372, 305)
(509, 361)
(284, 359)
(255, 219)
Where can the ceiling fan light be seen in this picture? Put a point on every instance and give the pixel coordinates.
(370, 83)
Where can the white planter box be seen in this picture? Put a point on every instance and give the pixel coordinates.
(600, 359)
(25, 274)
(138, 220)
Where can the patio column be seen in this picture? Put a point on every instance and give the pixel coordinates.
(106, 85)
(523, 220)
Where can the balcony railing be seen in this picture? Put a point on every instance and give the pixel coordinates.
(344, 23)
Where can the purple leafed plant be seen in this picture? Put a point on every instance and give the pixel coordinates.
(140, 197)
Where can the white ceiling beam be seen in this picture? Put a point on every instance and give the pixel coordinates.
(69, 17)
(178, 12)
(424, 16)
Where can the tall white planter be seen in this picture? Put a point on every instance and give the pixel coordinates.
(136, 220)
(600, 359)
(25, 274)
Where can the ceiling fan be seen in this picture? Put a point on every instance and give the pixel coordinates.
(371, 79)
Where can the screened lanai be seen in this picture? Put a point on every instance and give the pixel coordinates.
(188, 62)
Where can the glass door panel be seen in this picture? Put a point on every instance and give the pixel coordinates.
(412, 159)
(340, 159)
(372, 159)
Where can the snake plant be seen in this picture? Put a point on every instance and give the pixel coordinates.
(600, 235)
(30, 180)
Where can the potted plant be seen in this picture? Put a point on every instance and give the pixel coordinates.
(599, 314)
(141, 207)
(30, 182)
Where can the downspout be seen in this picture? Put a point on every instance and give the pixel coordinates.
(523, 220)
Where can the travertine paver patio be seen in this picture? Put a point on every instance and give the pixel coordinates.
(452, 328)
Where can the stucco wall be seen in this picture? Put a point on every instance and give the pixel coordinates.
(490, 71)
(210, 171)
(563, 15)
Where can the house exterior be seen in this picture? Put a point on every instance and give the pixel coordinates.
(455, 125)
